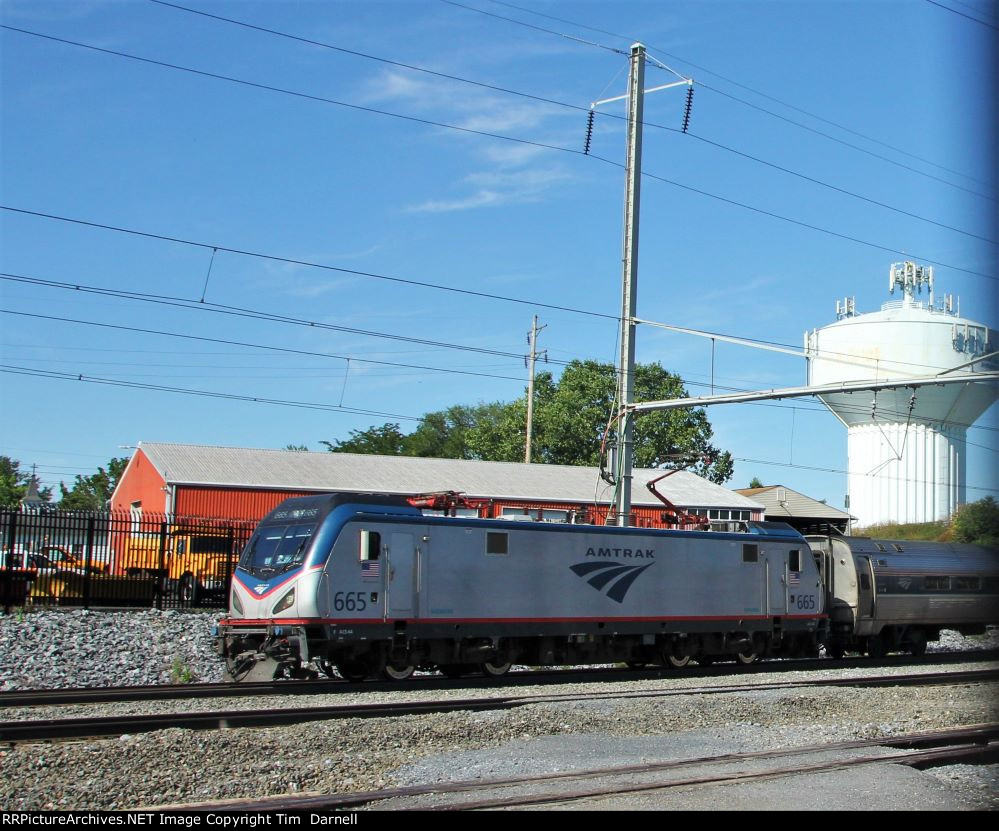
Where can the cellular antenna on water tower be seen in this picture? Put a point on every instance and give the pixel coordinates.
(906, 447)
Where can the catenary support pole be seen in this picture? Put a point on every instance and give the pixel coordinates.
(629, 283)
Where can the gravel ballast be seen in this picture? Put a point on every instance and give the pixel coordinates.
(64, 648)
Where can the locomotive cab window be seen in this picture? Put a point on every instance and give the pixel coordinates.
(750, 552)
(794, 560)
(371, 546)
(496, 543)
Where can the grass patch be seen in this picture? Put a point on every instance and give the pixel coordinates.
(930, 531)
(181, 673)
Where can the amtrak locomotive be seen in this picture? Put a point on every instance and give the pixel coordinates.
(367, 584)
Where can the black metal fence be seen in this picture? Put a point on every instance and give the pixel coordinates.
(75, 558)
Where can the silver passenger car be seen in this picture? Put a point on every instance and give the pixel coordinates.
(895, 595)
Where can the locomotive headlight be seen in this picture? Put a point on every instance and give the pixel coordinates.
(235, 603)
(284, 603)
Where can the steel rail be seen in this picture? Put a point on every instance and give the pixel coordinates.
(941, 745)
(74, 728)
(334, 686)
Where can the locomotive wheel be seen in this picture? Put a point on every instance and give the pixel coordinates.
(495, 669)
(326, 667)
(917, 642)
(352, 670)
(678, 661)
(398, 673)
(746, 658)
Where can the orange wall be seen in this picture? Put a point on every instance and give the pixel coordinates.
(140, 482)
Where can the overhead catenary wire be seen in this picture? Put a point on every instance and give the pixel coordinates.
(186, 303)
(237, 311)
(255, 314)
(117, 382)
(848, 473)
(249, 345)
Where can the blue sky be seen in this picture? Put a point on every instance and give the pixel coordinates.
(92, 136)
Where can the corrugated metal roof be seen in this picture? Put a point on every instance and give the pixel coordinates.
(794, 504)
(240, 467)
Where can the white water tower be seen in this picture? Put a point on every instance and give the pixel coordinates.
(906, 447)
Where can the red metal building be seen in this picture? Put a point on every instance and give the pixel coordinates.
(242, 483)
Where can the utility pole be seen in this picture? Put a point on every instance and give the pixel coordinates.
(629, 284)
(532, 339)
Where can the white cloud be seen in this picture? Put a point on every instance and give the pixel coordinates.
(493, 188)
(513, 172)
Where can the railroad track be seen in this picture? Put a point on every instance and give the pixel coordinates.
(326, 686)
(77, 728)
(977, 744)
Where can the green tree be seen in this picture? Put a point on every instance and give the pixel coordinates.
(386, 440)
(300, 447)
(978, 522)
(756, 483)
(13, 483)
(91, 493)
(571, 420)
(444, 434)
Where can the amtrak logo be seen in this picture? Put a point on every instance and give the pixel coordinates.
(606, 572)
(261, 588)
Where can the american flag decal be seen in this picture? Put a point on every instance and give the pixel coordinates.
(370, 568)
(794, 578)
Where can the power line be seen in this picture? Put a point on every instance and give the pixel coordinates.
(114, 382)
(848, 144)
(741, 86)
(539, 28)
(955, 11)
(812, 227)
(503, 137)
(838, 189)
(530, 96)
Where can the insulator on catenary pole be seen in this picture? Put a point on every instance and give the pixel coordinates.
(690, 104)
(589, 132)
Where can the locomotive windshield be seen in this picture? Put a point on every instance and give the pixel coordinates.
(276, 548)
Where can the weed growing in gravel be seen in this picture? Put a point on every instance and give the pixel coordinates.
(180, 673)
